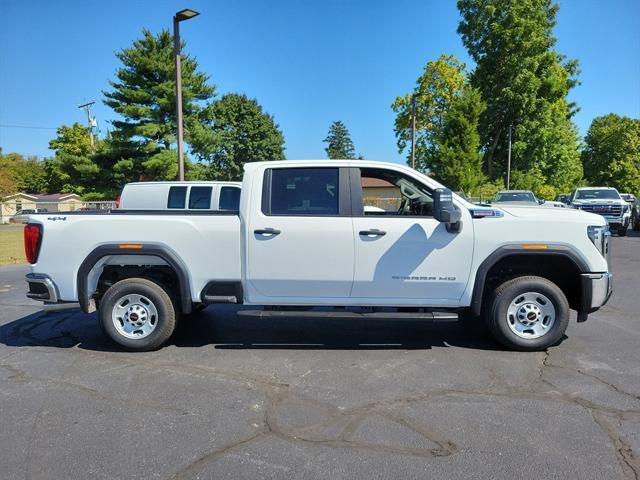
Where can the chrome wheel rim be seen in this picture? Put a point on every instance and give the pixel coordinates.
(531, 315)
(134, 316)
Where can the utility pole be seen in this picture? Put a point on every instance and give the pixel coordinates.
(180, 16)
(90, 121)
(509, 161)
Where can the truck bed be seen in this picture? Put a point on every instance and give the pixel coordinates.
(209, 242)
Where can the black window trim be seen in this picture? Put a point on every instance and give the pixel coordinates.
(344, 192)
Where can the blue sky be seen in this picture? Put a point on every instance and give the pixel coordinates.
(307, 62)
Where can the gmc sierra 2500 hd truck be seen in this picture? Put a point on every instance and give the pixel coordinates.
(313, 233)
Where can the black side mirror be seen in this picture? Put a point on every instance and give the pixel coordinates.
(445, 211)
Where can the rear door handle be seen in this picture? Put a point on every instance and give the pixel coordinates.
(374, 232)
(267, 231)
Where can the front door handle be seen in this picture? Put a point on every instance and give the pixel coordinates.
(267, 231)
(374, 232)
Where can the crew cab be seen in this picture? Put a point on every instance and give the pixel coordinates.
(605, 201)
(180, 196)
(306, 236)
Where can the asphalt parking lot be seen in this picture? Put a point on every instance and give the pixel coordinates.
(319, 398)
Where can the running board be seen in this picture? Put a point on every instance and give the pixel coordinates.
(422, 316)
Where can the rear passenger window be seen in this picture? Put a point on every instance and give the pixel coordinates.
(304, 191)
(200, 197)
(177, 197)
(229, 198)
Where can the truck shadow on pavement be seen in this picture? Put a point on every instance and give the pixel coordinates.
(222, 328)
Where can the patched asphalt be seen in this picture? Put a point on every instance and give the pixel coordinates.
(327, 398)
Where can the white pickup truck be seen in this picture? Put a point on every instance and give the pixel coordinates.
(366, 238)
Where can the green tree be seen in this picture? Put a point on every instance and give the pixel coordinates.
(435, 90)
(611, 155)
(66, 173)
(21, 174)
(73, 169)
(448, 110)
(8, 180)
(241, 132)
(459, 164)
(524, 83)
(143, 94)
(339, 143)
(73, 140)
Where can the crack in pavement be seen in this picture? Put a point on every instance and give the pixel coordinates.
(338, 426)
(626, 457)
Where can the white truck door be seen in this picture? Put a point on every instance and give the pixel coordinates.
(300, 236)
(402, 253)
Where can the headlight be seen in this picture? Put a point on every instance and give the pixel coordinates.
(599, 236)
(626, 208)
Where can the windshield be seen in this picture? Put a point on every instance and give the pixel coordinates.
(515, 197)
(594, 193)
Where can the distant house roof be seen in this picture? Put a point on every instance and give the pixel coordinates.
(43, 197)
(369, 182)
(8, 197)
(55, 196)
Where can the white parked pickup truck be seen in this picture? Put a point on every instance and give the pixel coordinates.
(605, 201)
(309, 234)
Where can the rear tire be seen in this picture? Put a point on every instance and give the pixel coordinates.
(137, 314)
(527, 313)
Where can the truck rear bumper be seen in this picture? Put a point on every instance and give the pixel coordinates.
(596, 291)
(42, 288)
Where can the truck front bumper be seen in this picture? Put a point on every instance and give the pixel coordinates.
(596, 291)
(42, 288)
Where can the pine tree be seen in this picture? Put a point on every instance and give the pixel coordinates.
(144, 96)
(339, 144)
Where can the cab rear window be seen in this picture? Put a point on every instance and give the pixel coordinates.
(304, 191)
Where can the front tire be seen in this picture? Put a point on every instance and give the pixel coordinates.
(527, 313)
(622, 231)
(137, 314)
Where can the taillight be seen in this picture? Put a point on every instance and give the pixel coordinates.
(32, 240)
(118, 201)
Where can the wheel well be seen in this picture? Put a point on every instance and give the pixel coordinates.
(163, 275)
(157, 263)
(559, 269)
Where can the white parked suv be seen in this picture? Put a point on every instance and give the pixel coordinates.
(305, 236)
(180, 196)
(605, 201)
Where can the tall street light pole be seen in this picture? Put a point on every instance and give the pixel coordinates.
(509, 161)
(180, 16)
(413, 131)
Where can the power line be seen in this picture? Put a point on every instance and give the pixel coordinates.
(2, 125)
